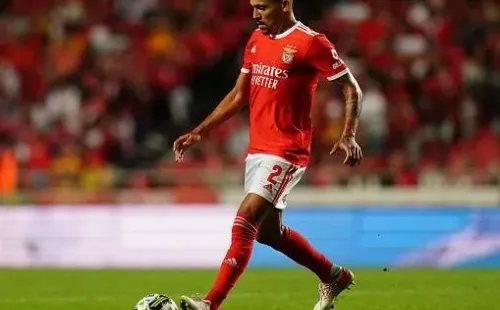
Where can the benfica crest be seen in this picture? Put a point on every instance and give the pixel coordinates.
(288, 53)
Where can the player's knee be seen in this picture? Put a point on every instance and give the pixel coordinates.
(269, 234)
(254, 207)
(268, 238)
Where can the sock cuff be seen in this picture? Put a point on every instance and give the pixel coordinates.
(245, 225)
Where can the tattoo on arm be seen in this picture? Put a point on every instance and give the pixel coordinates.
(353, 102)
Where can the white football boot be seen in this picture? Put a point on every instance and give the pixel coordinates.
(329, 291)
(194, 303)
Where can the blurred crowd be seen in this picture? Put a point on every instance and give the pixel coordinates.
(93, 93)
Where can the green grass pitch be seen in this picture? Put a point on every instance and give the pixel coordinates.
(259, 289)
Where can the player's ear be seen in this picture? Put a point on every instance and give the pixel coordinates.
(286, 5)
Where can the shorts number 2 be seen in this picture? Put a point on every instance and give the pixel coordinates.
(277, 170)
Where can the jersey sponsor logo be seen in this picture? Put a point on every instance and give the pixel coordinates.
(270, 71)
(288, 54)
(253, 50)
(337, 65)
(267, 76)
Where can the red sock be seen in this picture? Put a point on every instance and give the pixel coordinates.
(295, 246)
(235, 261)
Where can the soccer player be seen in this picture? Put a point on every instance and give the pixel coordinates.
(282, 63)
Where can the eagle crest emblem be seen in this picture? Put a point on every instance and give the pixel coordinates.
(288, 53)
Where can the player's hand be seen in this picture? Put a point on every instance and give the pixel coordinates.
(351, 149)
(183, 143)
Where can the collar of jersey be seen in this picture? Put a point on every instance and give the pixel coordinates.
(286, 33)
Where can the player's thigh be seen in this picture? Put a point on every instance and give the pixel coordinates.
(272, 178)
(258, 209)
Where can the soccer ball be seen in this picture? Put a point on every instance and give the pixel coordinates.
(156, 302)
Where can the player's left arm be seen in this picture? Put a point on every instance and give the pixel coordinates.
(324, 58)
(353, 98)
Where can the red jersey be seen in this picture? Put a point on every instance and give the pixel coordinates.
(285, 70)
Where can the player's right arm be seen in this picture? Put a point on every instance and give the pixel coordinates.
(228, 107)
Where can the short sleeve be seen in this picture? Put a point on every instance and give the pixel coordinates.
(323, 57)
(247, 54)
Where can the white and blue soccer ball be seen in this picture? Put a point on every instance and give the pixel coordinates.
(156, 302)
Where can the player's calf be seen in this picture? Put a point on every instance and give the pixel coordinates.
(244, 233)
(299, 249)
(270, 240)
